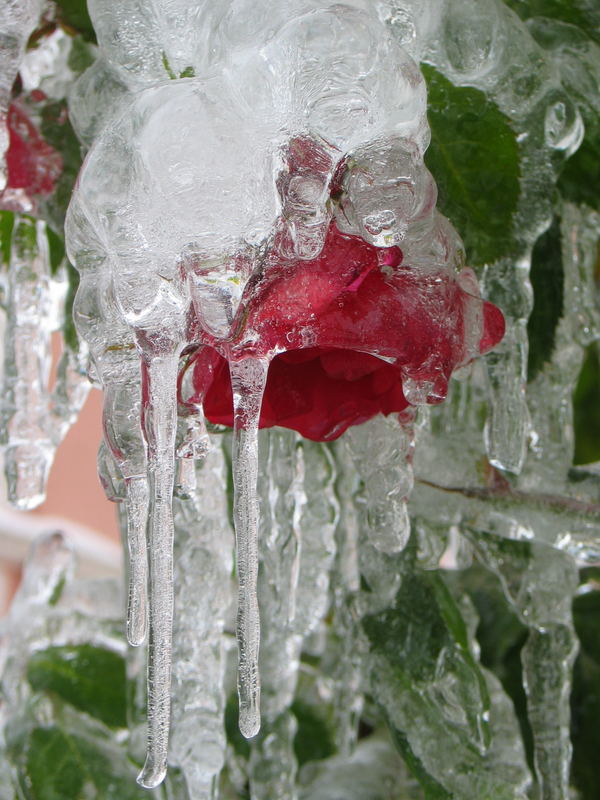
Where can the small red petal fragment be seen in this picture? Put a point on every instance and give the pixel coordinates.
(494, 327)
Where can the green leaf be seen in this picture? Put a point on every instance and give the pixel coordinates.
(431, 788)
(7, 223)
(167, 66)
(75, 14)
(89, 678)
(54, 770)
(81, 55)
(56, 247)
(585, 14)
(58, 132)
(313, 740)
(547, 279)
(422, 672)
(579, 180)
(586, 410)
(56, 764)
(501, 636)
(585, 698)
(474, 158)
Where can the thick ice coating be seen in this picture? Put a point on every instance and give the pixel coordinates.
(259, 220)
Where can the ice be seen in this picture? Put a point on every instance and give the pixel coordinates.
(136, 500)
(222, 137)
(296, 550)
(387, 479)
(26, 429)
(204, 593)
(248, 379)
(160, 425)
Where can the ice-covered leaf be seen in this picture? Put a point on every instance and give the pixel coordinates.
(55, 764)
(314, 739)
(586, 410)
(547, 282)
(585, 14)
(501, 636)
(74, 14)
(580, 178)
(427, 682)
(474, 158)
(7, 223)
(57, 131)
(585, 700)
(81, 55)
(90, 678)
(56, 249)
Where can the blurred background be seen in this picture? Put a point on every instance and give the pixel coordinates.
(75, 504)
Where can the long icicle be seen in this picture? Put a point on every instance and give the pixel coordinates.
(248, 379)
(160, 425)
(136, 501)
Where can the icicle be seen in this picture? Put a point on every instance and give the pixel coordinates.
(160, 425)
(282, 498)
(382, 449)
(25, 418)
(123, 435)
(71, 390)
(248, 379)
(273, 765)
(347, 700)
(136, 501)
(319, 515)
(508, 421)
(204, 592)
(194, 447)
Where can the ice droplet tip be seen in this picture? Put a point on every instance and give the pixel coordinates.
(249, 723)
(151, 776)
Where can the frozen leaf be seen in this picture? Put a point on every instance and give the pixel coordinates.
(580, 178)
(585, 699)
(313, 740)
(547, 283)
(7, 222)
(57, 131)
(474, 158)
(90, 678)
(429, 685)
(56, 764)
(75, 14)
(586, 412)
(582, 13)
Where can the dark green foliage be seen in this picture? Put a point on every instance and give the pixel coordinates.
(547, 280)
(89, 678)
(474, 157)
(313, 740)
(586, 410)
(74, 13)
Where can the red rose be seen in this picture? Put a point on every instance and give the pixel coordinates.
(32, 164)
(346, 328)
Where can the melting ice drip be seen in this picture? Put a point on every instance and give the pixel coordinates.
(184, 206)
